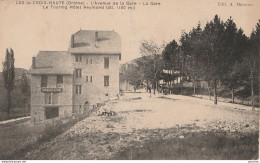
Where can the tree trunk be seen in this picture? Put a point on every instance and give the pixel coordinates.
(126, 85)
(209, 91)
(232, 94)
(157, 87)
(8, 103)
(194, 88)
(154, 87)
(146, 85)
(252, 91)
(215, 92)
(181, 85)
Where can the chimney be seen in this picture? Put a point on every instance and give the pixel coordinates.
(72, 41)
(33, 62)
(96, 36)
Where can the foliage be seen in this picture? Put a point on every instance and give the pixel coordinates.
(219, 53)
(9, 76)
(132, 75)
(8, 70)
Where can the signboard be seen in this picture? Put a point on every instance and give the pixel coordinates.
(51, 90)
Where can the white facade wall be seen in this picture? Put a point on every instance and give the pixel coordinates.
(95, 92)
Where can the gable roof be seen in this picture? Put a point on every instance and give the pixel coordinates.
(52, 62)
(95, 42)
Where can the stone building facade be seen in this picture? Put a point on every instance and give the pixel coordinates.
(74, 81)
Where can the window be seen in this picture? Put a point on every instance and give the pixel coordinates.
(89, 79)
(106, 80)
(78, 73)
(44, 80)
(78, 58)
(106, 62)
(59, 80)
(51, 112)
(51, 98)
(90, 61)
(78, 89)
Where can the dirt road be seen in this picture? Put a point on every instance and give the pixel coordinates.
(138, 119)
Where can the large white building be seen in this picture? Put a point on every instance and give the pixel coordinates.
(73, 81)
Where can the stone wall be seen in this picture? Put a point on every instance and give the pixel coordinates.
(38, 97)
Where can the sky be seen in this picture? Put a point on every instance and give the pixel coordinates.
(28, 29)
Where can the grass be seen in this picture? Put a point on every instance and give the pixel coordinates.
(194, 146)
(14, 113)
(50, 132)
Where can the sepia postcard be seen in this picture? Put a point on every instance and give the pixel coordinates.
(129, 80)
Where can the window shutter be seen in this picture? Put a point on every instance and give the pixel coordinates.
(46, 98)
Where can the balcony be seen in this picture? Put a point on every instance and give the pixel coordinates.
(59, 85)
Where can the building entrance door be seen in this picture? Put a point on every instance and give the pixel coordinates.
(86, 106)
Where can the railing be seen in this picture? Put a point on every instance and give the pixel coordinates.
(59, 85)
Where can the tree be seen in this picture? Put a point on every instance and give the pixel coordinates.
(151, 67)
(191, 44)
(150, 64)
(132, 75)
(173, 61)
(9, 76)
(25, 89)
(234, 44)
(251, 58)
(170, 56)
(213, 56)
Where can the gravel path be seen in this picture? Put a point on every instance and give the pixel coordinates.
(140, 117)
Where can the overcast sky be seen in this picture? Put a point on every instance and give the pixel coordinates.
(28, 29)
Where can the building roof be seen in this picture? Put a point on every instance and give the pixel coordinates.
(52, 62)
(95, 42)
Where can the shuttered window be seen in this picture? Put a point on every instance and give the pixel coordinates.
(78, 73)
(51, 98)
(106, 81)
(78, 58)
(106, 62)
(78, 89)
(44, 80)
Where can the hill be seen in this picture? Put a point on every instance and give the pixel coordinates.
(18, 73)
(17, 96)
